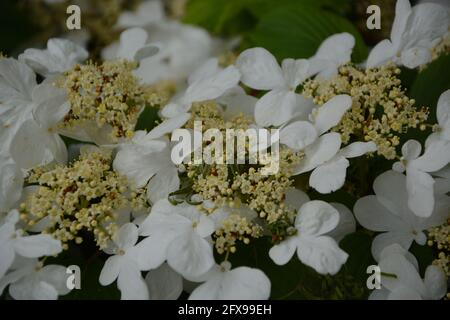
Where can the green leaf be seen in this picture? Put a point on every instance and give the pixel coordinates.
(431, 83)
(297, 32)
(358, 246)
(148, 119)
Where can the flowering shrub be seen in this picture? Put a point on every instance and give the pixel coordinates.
(361, 144)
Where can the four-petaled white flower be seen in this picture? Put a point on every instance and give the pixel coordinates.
(60, 56)
(29, 279)
(314, 248)
(181, 235)
(419, 182)
(442, 128)
(15, 242)
(260, 70)
(129, 259)
(400, 278)
(387, 211)
(223, 283)
(414, 33)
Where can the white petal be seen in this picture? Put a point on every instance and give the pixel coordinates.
(330, 114)
(7, 257)
(329, 176)
(131, 284)
(282, 253)
(295, 71)
(164, 283)
(37, 246)
(346, 225)
(298, 135)
(163, 183)
(206, 70)
(411, 149)
(402, 13)
(212, 87)
(259, 69)
(127, 236)
(11, 181)
(322, 150)
(242, 283)
(190, 255)
(321, 253)
(390, 188)
(27, 289)
(384, 240)
(372, 215)
(151, 252)
(381, 54)
(404, 293)
(435, 282)
(295, 198)
(358, 149)
(276, 107)
(420, 193)
(131, 41)
(435, 157)
(56, 276)
(167, 126)
(443, 109)
(316, 218)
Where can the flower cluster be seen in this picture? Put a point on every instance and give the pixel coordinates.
(122, 160)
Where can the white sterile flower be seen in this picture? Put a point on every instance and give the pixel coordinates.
(314, 248)
(414, 33)
(208, 83)
(183, 49)
(37, 142)
(419, 182)
(11, 182)
(260, 70)
(334, 52)
(147, 12)
(164, 283)
(146, 161)
(15, 242)
(224, 283)
(60, 56)
(29, 279)
(400, 278)
(129, 259)
(442, 129)
(180, 235)
(322, 150)
(387, 211)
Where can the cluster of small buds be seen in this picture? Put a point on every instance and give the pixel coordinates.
(439, 237)
(107, 94)
(381, 111)
(235, 228)
(86, 195)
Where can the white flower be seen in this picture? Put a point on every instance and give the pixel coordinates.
(261, 71)
(414, 33)
(242, 283)
(30, 280)
(37, 142)
(334, 52)
(314, 248)
(126, 265)
(11, 181)
(14, 242)
(164, 283)
(146, 161)
(209, 82)
(60, 56)
(419, 182)
(443, 118)
(180, 234)
(322, 150)
(401, 280)
(387, 211)
(147, 12)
